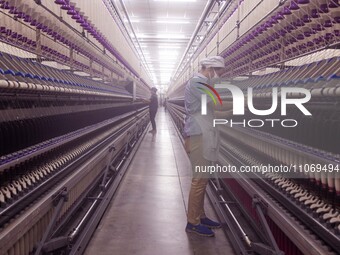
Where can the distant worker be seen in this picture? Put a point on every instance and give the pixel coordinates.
(200, 142)
(165, 104)
(153, 107)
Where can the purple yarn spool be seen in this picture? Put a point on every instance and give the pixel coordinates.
(324, 8)
(293, 6)
(334, 4)
(315, 14)
(302, 2)
(306, 19)
(286, 11)
(65, 7)
(328, 23)
(71, 11)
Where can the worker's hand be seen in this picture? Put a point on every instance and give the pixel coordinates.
(187, 144)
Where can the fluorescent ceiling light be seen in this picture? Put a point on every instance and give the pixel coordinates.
(160, 36)
(172, 21)
(183, 1)
(132, 20)
(170, 55)
(169, 46)
(163, 61)
(170, 58)
(171, 36)
(167, 65)
(168, 52)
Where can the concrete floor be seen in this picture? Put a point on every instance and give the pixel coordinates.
(148, 213)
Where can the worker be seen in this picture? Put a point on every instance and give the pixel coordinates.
(165, 104)
(200, 143)
(153, 107)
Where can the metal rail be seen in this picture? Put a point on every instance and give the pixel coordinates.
(48, 145)
(284, 213)
(111, 187)
(290, 226)
(80, 171)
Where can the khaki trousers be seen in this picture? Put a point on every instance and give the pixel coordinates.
(193, 146)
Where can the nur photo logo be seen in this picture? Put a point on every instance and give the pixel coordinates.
(208, 92)
(287, 96)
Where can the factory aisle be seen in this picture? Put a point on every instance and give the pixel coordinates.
(148, 214)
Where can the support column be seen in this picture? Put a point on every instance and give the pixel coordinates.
(103, 73)
(238, 19)
(71, 59)
(91, 68)
(134, 91)
(38, 49)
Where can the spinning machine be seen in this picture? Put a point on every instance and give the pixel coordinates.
(72, 113)
(270, 45)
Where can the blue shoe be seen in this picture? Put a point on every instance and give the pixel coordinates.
(199, 230)
(210, 223)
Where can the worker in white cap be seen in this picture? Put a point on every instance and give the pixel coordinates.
(200, 143)
(212, 67)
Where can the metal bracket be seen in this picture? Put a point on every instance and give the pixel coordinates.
(55, 244)
(257, 201)
(61, 194)
(113, 168)
(127, 142)
(58, 201)
(226, 202)
(262, 249)
(271, 249)
(111, 150)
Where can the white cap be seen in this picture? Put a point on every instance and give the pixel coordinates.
(213, 61)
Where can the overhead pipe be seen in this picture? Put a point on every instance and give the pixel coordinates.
(206, 11)
(133, 31)
(214, 30)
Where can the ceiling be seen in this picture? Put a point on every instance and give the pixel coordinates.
(163, 29)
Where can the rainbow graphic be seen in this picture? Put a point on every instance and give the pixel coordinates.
(208, 92)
